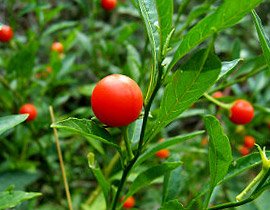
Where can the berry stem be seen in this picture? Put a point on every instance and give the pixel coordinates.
(217, 102)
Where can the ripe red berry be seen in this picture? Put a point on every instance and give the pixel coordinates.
(217, 94)
(6, 33)
(57, 47)
(117, 100)
(249, 141)
(129, 203)
(29, 109)
(241, 112)
(243, 150)
(108, 4)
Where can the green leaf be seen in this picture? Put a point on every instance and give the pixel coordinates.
(227, 67)
(195, 13)
(187, 86)
(23, 61)
(8, 122)
(242, 164)
(125, 31)
(236, 167)
(172, 182)
(172, 205)
(66, 67)
(264, 41)
(169, 142)
(227, 15)
(86, 128)
(98, 204)
(191, 113)
(105, 186)
(165, 14)
(150, 17)
(10, 199)
(133, 62)
(84, 42)
(20, 179)
(220, 154)
(59, 26)
(145, 178)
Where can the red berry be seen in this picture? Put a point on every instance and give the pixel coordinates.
(108, 4)
(217, 94)
(249, 141)
(117, 100)
(241, 112)
(243, 150)
(29, 109)
(57, 47)
(163, 153)
(6, 33)
(129, 203)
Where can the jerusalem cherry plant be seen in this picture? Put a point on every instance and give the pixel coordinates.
(182, 70)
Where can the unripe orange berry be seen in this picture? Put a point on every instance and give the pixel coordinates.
(217, 94)
(129, 203)
(163, 153)
(249, 141)
(57, 47)
(204, 141)
(243, 150)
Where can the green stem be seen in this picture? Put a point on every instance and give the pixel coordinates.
(262, 182)
(240, 203)
(251, 184)
(122, 182)
(127, 143)
(140, 144)
(215, 101)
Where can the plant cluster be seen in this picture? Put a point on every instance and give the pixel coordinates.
(141, 104)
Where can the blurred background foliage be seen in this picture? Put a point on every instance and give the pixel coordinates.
(97, 43)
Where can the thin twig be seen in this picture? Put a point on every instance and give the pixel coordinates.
(62, 166)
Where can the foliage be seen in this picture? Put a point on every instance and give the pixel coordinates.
(179, 53)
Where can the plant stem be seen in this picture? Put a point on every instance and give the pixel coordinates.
(215, 101)
(263, 180)
(129, 166)
(127, 143)
(251, 184)
(240, 203)
(62, 166)
(123, 180)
